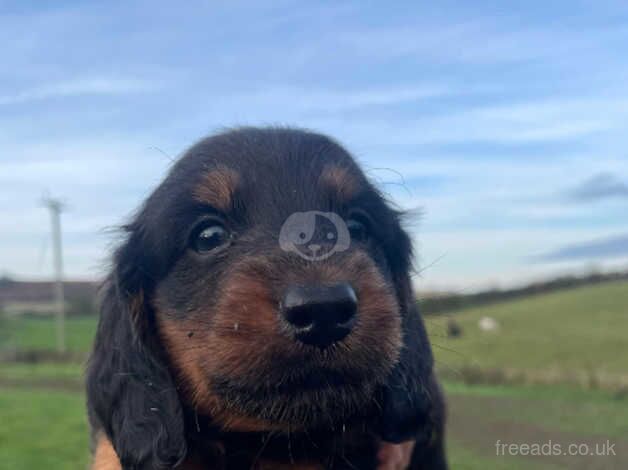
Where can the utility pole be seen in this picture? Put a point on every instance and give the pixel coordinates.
(55, 207)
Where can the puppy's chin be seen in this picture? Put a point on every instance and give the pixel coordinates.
(318, 399)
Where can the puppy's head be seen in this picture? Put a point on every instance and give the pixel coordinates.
(263, 284)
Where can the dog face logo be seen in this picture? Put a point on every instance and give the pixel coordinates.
(314, 235)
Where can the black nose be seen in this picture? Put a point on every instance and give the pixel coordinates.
(320, 315)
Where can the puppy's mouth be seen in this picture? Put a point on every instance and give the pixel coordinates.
(302, 381)
(312, 398)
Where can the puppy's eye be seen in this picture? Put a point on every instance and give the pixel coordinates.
(358, 230)
(210, 237)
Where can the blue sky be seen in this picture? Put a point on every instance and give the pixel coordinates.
(506, 124)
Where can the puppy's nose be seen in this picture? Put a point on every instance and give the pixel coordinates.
(320, 315)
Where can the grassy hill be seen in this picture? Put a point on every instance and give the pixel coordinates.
(576, 331)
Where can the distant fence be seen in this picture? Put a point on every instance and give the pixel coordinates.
(36, 297)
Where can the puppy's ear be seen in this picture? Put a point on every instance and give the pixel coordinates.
(411, 399)
(130, 393)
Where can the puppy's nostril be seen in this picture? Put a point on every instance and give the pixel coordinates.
(346, 311)
(299, 316)
(320, 315)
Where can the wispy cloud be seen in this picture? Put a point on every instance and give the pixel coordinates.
(80, 87)
(613, 247)
(515, 123)
(599, 187)
(321, 99)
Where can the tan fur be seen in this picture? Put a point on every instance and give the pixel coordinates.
(217, 187)
(395, 456)
(341, 181)
(105, 457)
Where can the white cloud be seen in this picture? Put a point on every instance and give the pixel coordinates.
(80, 87)
(532, 122)
(310, 100)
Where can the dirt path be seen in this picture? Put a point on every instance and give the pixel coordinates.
(479, 422)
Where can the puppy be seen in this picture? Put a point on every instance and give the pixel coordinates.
(260, 314)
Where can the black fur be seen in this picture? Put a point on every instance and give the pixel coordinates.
(132, 396)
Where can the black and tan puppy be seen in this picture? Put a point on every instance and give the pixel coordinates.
(260, 314)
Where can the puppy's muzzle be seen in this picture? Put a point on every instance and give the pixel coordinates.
(320, 315)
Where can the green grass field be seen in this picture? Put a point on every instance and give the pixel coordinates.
(44, 424)
(40, 333)
(42, 429)
(573, 330)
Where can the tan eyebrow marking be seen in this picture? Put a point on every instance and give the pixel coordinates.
(341, 180)
(216, 187)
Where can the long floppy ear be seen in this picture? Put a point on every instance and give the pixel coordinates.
(412, 404)
(130, 393)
